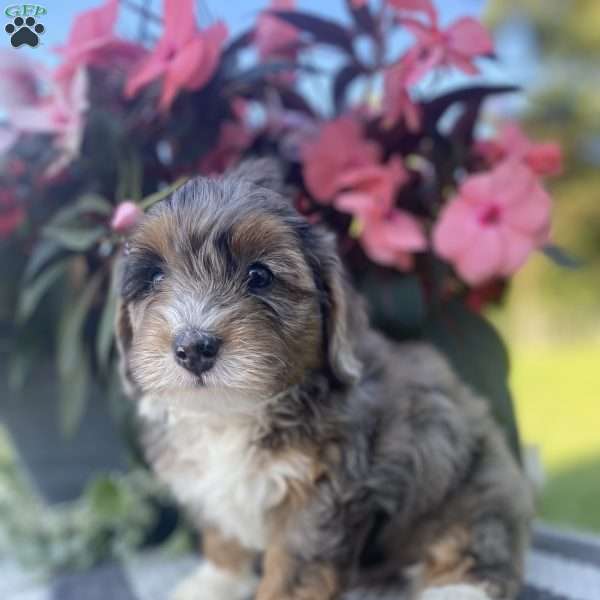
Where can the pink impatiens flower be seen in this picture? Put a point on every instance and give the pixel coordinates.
(543, 158)
(419, 6)
(455, 46)
(397, 103)
(273, 37)
(393, 240)
(339, 148)
(494, 223)
(126, 216)
(369, 191)
(60, 113)
(92, 42)
(185, 58)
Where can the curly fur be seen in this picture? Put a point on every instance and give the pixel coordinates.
(343, 464)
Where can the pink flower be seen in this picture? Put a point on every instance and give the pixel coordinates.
(234, 138)
(185, 58)
(422, 6)
(125, 217)
(11, 214)
(392, 241)
(92, 42)
(397, 103)
(273, 37)
(543, 158)
(494, 223)
(62, 114)
(339, 148)
(22, 81)
(456, 46)
(370, 190)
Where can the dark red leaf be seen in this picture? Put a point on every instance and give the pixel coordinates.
(345, 76)
(238, 43)
(362, 17)
(322, 30)
(434, 109)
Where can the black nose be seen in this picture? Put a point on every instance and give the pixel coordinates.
(195, 350)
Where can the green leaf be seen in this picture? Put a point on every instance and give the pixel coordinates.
(152, 199)
(105, 333)
(74, 388)
(43, 253)
(34, 291)
(71, 326)
(85, 204)
(106, 498)
(397, 304)
(74, 238)
(478, 354)
(561, 257)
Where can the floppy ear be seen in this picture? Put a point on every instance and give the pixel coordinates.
(264, 172)
(124, 334)
(344, 315)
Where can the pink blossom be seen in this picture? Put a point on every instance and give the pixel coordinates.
(234, 139)
(125, 217)
(420, 6)
(11, 214)
(92, 42)
(494, 223)
(392, 241)
(543, 158)
(273, 37)
(338, 148)
(456, 46)
(62, 114)
(397, 103)
(185, 57)
(22, 81)
(369, 191)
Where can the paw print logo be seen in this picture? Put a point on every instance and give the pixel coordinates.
(24, 31)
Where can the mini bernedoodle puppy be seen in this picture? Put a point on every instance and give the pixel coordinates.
(320, 460)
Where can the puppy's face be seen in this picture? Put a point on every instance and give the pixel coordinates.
(225, 286)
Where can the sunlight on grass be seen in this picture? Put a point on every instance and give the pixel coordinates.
(557, 394)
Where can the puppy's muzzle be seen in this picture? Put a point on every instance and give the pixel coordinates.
(196, 350)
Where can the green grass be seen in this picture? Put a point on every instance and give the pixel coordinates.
(557, 394)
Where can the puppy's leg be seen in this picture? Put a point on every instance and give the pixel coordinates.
(287, 577)
(227, 572)
(478, 561)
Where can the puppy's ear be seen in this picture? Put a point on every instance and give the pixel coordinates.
(124, 334)
(264, 172)
(343, 313)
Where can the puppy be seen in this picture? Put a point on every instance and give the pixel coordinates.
(319, 460)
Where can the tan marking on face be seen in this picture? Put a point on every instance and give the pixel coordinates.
(268, 342)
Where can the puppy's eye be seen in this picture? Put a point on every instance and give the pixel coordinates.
(156, 277)
(259, 277)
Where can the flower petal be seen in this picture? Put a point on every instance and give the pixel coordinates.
(469, 37)
(517, 248)
(483, 259)
(455, 230)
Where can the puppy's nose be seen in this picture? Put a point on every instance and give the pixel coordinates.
(195, 350)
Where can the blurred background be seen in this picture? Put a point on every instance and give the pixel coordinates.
(550, 319)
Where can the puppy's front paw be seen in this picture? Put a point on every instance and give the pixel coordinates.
(209, 582)
(454, 592)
